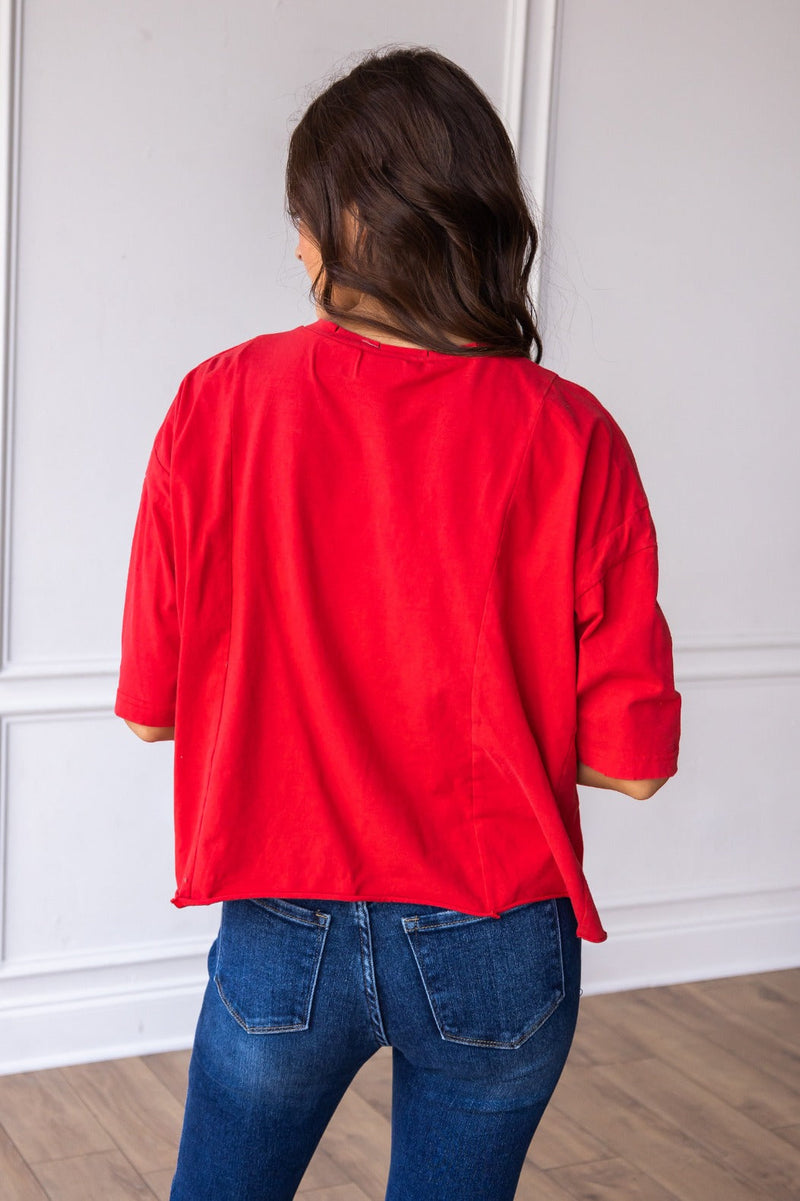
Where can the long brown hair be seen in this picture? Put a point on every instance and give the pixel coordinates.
(410, 147)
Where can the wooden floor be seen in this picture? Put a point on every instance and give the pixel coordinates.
(690, 1091)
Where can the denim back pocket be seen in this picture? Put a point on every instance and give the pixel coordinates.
(268, 956)
(490, 982)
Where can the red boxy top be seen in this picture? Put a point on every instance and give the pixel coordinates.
(388, 597)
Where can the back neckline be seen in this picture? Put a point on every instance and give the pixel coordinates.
(324, 325)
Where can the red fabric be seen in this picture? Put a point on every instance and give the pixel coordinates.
(388, 597)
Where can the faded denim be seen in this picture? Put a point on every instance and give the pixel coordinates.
(480, 1013)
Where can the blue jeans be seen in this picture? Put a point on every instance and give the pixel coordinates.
(479, 1012)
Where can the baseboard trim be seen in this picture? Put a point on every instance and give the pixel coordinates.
(661, 941)
(656, 941)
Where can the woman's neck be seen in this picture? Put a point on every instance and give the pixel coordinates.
(359, 327)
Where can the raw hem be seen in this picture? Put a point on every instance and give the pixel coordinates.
(591, 932)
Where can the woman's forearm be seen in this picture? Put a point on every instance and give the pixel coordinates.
(640, 790)
(152, 733)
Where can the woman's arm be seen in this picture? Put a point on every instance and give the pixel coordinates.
(152, 733)
(640, 790)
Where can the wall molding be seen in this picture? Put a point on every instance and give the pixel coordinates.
(745, 658)
(673, 939)
(59, 689)
(149, 999)
(537, 104)
(4, 849)
(84, 1029)
(528, 97)
(103, 973)
(11, 44)
(514, 67)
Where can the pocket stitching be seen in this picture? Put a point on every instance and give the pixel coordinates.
(294, 913)
(260, 1029)
(411, 926)
(429, 921)
(322, 934)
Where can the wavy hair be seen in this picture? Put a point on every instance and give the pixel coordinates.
(414, 151)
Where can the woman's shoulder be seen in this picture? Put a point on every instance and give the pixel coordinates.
(252, 352)
(584, 419)
(575, 402)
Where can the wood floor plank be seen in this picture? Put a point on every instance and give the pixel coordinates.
(47, 1119)
(322, 1172)
(729, 1137)
(104, 1176)
(358, 1140)
(137, 1110)
(639, 1135)
(17, 1181)
(172, 1069)
(536, 1185)
(791, 1134)
(599, 1041)
(557, 1142)
(762, 1097)
(760, 1048)
(755, 1002)
(159, 1182)
(373, 1082)
(786, 981)
(610, 1180)
(339, 1192)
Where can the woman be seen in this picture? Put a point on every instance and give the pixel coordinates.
(393, 592)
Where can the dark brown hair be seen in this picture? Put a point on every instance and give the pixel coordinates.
(409, 145)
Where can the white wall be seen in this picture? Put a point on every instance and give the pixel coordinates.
(145, 156)
(671, 272)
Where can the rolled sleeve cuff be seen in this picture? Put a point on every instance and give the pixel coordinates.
(622, 765)
(144, 713)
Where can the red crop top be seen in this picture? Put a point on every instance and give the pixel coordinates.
(388, 597)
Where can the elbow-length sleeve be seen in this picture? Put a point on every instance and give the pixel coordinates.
(628, 711)
(147, 683)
